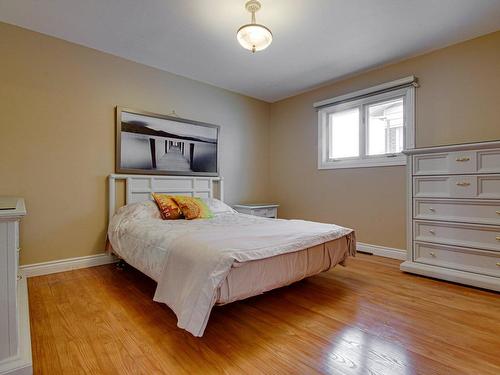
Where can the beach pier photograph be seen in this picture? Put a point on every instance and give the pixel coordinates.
(160, 144)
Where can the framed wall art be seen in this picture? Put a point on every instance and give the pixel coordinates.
(150, 143)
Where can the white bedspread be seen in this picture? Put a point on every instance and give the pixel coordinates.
(198, 254)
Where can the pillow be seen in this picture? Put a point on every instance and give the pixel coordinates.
(168, 207)
(140, 211)
(217, 206)
(193, 208)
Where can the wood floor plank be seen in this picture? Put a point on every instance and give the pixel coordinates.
(367, 318)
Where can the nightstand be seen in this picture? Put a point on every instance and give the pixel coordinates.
(262, 210)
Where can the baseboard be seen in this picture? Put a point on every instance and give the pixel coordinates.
(45, 268)
(387, 252)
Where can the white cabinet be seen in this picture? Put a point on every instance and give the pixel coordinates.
(454, 213)
(262, 210)
(15, 344)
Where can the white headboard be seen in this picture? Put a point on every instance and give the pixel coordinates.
(138, 188)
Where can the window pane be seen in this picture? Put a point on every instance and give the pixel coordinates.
(344, 134)
(385, 127)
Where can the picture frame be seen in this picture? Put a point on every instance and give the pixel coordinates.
(152, 143)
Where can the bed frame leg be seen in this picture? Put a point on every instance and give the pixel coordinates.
(120, 265)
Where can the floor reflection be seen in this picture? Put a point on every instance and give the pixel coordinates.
(358, 352)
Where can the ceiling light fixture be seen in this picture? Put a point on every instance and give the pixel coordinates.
(253, 36)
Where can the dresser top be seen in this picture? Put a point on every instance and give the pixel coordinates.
(18, 211)
(450, 148)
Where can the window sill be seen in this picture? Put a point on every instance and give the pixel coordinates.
(363, 163)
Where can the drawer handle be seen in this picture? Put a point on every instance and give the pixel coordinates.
(463, 183)
(498, 212)
(431, 231)
(498, 238)
(433, 209)
(463, 158)
(432, 254)
(498, 264)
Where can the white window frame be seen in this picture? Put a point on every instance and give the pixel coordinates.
(364, 160)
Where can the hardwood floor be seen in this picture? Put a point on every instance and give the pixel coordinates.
(368, 318)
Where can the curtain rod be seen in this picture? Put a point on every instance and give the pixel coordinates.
(384, 87)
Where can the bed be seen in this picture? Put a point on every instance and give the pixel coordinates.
(205, 262)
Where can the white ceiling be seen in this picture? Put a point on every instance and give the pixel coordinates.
(315, 41)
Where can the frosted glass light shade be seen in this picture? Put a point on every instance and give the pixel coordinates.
(254, 37)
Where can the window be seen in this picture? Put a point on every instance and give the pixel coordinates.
(366, 132)
(385, 127)
(344, 130)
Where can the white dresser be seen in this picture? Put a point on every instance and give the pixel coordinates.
(15, 343)
(454, 213)
(263, 210)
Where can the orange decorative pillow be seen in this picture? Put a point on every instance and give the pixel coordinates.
(168, 207)
(193, 208)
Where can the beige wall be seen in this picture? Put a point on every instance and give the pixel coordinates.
(57, 104)
(458, 101)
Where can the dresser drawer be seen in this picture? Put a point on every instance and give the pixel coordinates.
(16, 233)
(488, 161)
(259, 212)
(465, 211)
(459, 186)
(18, 252)
(264, 212)
(272, 212)
(458, 162)
(445, 163)
(464, 259)
(469, 235)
